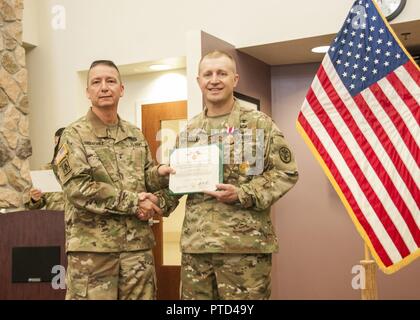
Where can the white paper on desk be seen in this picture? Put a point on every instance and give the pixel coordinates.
(45, 181)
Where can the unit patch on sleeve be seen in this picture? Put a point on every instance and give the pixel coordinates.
(65, 167)
(285, 155)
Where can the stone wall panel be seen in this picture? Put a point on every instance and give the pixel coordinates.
(15, 145)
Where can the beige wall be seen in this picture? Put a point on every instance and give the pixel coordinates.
(131, 31)
(30, 23)
(130, 23)
(319, 244)
(150, 88)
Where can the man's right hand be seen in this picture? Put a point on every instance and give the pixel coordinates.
(35, 194)
(148, 206)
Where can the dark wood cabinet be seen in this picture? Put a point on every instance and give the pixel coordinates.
(31, 229)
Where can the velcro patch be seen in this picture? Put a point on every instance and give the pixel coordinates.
(285, 155)
(65, 167)
(61, 154)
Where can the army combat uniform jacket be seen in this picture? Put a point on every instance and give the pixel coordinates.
(101, 179)
(244, 227)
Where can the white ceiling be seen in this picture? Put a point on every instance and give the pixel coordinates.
(299, 50)
(144, 67)
(287, 52)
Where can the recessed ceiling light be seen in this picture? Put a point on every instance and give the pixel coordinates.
(322, 49)
(159, 67)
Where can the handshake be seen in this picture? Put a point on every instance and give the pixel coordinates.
(148, 202)
(148, 206)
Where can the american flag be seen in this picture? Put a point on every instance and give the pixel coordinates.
(361, 120)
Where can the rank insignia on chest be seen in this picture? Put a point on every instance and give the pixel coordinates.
(195, 135)
(192, 138)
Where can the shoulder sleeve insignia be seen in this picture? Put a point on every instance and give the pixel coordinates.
(61, 154)
(285, 155)
(65, 167)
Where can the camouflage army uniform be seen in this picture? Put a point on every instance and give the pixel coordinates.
(240, 234)
(50, 200)
(101, 176)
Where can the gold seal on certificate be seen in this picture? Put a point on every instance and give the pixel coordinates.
(198, 169)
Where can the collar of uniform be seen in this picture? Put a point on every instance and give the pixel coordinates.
(98, 126)
(123, 131)
(234, 120)
(234, 117)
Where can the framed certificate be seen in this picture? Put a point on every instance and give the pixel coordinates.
(198, 169)
(245, 100)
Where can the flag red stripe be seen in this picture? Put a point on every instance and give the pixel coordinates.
(380, 250)
(413, 71)
(388, 146)
(370, 154)
(358, 174)
(405, 95)
(396, 119)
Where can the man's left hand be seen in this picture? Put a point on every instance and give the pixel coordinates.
(225, 193)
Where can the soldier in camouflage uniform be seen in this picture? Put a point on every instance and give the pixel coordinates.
(106, 170)
(50, 200)
(227, 236)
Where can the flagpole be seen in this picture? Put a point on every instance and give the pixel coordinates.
(367, 253)
(370, 291)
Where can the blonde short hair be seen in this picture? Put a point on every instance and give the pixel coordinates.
(217, 54)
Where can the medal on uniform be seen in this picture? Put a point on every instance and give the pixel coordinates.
(244, 167)
(230, 131)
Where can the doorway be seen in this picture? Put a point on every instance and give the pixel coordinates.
(161, 122)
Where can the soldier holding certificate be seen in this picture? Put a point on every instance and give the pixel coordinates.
(50, 200)
(228, 237)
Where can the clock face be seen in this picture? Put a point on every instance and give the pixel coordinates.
(391, 8)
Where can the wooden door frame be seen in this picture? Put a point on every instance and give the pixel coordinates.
(178, 112)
